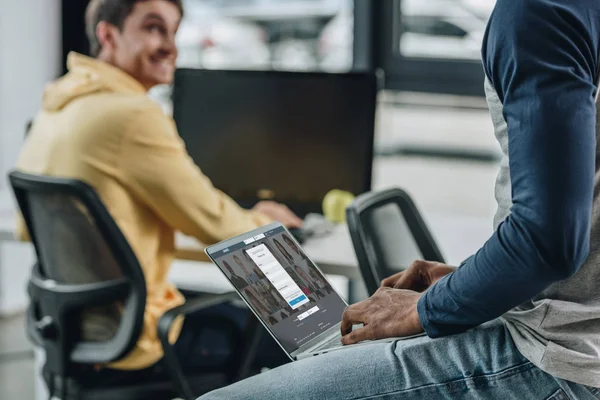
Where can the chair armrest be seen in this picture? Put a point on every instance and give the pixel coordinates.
(193, 305)
(164, 326)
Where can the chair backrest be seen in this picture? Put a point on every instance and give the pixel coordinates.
(87, 289)
(388, 234)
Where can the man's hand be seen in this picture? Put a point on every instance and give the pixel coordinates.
(388, 313)
(419, 276)
(278, 212)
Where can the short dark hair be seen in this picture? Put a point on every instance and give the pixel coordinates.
(114, 12)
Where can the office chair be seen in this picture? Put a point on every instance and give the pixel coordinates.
(388, 234)
(85, 269)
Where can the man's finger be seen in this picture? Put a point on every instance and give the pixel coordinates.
(295, 221)
(358, 335)
(351, 316)
(390, 281)
(406, 281)
(292, 224)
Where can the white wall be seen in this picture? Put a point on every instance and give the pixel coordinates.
(16, 260)
(30, 56)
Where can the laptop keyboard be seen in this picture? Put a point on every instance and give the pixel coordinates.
(335, 341)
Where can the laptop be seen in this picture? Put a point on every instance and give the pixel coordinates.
(286, 291)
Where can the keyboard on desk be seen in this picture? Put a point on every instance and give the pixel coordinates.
(299, 234)
(313, 225)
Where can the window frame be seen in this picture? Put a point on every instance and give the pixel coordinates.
(375, 39)
(377, 33)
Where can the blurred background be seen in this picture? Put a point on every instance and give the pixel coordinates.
(433, 135)
(427, 53)
(320, 34)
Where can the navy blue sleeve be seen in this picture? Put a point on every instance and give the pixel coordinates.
(541, 57)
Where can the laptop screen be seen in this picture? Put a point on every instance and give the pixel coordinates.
(282, 285)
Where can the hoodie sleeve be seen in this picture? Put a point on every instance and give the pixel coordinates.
(154, 164)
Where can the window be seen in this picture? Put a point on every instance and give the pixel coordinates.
(431, 26)
(432, 45)
(303, 35)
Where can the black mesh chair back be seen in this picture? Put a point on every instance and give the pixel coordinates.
(87, 290)
(388, 235)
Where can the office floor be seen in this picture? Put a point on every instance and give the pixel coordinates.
(452, 188)
(16, 360)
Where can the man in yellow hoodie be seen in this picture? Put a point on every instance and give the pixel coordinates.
(99, 126)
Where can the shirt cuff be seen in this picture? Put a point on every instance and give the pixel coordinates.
(423, 311)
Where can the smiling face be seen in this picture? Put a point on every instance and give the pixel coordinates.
(145, 46)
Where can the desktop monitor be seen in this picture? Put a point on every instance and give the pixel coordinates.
(273, 135)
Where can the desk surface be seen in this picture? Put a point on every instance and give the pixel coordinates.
(333, 253)
(458, 238)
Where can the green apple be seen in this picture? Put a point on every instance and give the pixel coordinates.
(335, 203)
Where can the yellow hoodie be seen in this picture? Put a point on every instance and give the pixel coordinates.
(98, 125)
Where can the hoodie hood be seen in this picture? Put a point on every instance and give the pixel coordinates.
(86, 76)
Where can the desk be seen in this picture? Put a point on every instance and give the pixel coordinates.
(333, 253)
(457, 237)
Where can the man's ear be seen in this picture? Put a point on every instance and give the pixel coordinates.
(106, 35)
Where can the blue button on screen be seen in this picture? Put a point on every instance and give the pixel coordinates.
(297, 300)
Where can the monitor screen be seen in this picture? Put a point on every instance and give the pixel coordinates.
(287, 136)
(284, 288)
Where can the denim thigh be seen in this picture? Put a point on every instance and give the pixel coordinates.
(482, 363)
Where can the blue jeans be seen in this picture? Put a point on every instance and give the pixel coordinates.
(482, 363)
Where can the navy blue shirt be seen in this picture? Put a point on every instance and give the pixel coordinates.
(541, 56)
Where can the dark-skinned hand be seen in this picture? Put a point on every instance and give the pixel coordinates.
(419, 276)
(388, 313)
